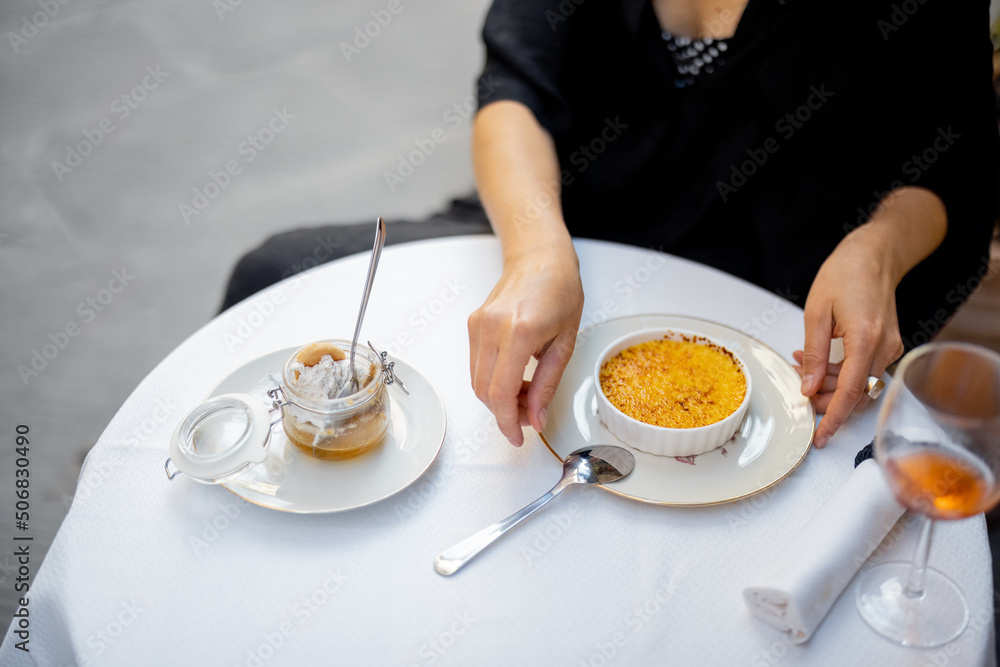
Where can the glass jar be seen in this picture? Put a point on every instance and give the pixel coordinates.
(337, 428)
(227, 435)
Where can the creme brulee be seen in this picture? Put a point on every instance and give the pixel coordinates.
(674, 383)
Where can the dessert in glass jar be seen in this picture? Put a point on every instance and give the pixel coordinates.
(319, 423)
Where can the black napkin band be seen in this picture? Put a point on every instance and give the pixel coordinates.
(865, 454)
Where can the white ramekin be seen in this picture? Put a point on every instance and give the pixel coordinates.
(661, 440)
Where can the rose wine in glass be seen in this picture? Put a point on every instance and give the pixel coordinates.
(938, 442)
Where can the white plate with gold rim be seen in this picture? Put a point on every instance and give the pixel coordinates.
(773, 439)
(290, 481)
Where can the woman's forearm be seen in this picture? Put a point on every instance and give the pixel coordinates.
(909, 224)
(517, 175)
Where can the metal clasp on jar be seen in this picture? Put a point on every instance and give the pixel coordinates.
(388, 372)
(278, 399)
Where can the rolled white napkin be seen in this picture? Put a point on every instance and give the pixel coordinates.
(795, 593)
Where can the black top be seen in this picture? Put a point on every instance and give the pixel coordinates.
(818, 109)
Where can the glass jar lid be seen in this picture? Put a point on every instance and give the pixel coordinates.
(221, 438)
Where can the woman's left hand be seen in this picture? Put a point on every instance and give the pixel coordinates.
(853, 297)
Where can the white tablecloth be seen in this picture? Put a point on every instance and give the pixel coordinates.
(150, 572)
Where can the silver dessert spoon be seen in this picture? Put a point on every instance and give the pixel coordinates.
(599, 464)
(354, 386)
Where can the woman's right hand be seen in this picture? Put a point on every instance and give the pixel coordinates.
(533, 311)
(535, 308)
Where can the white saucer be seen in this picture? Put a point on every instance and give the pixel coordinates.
(290, 481)
(772, 441)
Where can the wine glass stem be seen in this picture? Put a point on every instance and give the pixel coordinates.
(915, 580)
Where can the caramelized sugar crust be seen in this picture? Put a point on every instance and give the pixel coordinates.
(674, 383)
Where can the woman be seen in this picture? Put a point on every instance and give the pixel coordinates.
(840, 154)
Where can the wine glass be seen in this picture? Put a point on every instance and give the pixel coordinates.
(938, 442)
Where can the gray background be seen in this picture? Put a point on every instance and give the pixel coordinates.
(118, 209)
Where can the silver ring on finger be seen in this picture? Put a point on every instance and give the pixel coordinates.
(874, 387)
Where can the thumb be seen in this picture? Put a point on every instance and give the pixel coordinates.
(815, 351)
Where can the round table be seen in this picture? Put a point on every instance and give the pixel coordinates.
(150, 571)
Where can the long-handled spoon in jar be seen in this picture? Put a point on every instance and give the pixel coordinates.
(354, 385)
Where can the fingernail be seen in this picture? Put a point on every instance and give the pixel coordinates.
(821, 441)
(513, 442)
(807, 381)
(542, 414)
